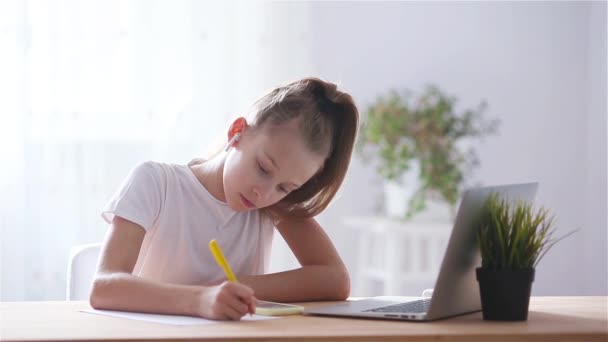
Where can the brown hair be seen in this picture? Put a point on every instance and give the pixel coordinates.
(329, 121)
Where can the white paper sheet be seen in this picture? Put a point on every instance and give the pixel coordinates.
(169, 319)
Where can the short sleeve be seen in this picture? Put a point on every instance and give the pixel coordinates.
(139, 199)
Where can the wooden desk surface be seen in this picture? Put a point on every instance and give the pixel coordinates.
(550, 318)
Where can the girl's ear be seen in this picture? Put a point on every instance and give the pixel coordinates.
(235, 132)
(238, 126)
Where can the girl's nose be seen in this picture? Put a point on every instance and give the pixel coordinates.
(260, 192)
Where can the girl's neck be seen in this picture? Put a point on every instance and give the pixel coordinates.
(211, 175)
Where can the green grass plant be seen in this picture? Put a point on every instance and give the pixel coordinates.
(514, 235)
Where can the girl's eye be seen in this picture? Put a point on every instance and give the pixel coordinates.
(262, 169)
(284, 190)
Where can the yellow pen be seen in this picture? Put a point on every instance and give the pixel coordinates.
(221, 260)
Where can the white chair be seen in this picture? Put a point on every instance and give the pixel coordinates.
(81, 270)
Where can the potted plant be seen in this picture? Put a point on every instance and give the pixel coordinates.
(513, 237)
(417, 142)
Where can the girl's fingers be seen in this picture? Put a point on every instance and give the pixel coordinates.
(236, 300)
(252, 304)
(242, 291)
(241, 306)
(245, 296)
(237, 304)
(249, 302)
(231, 313)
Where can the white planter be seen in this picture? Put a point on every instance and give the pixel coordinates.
(396, 198)
(398, 193)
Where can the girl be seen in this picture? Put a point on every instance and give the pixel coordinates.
(279, 169)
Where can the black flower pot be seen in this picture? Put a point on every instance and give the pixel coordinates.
(505, 294)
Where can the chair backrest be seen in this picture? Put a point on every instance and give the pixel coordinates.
(81, 270)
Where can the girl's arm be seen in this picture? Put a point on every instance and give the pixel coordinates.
(323, 275)
(115, 288)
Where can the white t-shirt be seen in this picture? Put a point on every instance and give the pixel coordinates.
(180, 218)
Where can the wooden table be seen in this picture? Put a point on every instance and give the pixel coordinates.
(550, 318)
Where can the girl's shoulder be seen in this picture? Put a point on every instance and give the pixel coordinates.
(196, 161)
(159, 171)
(150, 167)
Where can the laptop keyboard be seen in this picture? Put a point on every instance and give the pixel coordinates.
(418, 306)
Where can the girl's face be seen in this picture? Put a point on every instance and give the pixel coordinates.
(266, 165)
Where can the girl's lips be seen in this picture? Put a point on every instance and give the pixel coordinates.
(246, 202)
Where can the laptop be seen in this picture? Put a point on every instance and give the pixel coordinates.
(456, 290)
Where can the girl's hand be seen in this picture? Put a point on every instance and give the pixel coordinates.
(226, 301)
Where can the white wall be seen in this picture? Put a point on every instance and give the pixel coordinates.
(595, 252)
(542, 69)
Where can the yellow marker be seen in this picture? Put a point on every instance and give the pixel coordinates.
(262, 307)
(221, 260)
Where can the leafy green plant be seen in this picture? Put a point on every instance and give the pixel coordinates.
(514, 236)
(399, 129)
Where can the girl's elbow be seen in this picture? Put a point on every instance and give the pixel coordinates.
(343, 285)
(94, 298)
(98, 292)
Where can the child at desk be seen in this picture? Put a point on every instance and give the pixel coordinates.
(280, 168)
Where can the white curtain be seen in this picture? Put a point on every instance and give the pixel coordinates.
(90, 88)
